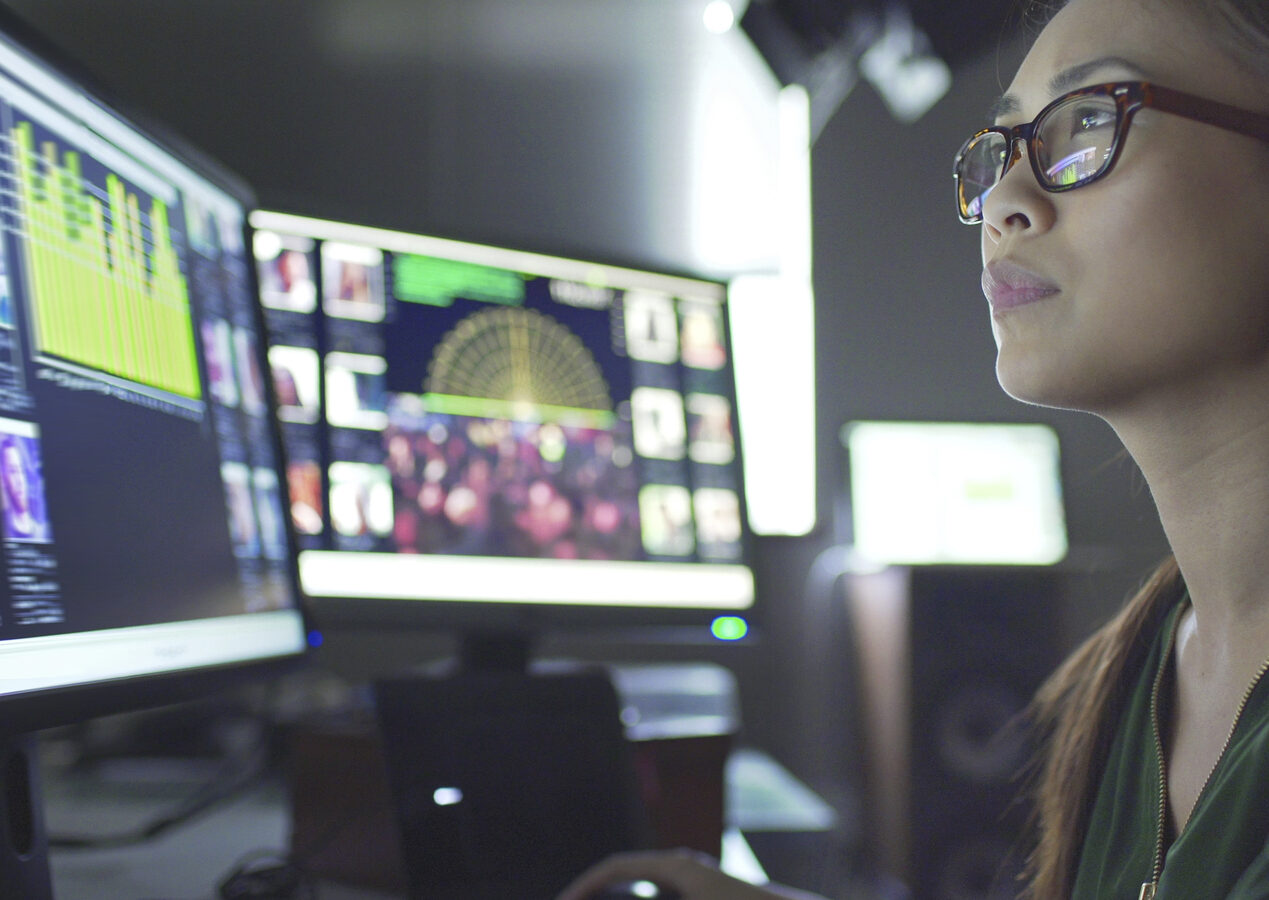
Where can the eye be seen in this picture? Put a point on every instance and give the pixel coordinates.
(1089, 119)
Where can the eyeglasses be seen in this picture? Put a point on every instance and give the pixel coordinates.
(1077, 138)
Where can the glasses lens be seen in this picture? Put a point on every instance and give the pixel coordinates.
(979, 167)
(1075, 139)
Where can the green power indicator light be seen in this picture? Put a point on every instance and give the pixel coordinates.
(729, 628)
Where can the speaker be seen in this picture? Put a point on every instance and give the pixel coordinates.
(952, 657)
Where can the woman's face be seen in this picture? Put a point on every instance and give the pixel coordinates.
(1152, 283)
(15, 478)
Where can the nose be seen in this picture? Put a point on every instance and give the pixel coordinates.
(1017, 203)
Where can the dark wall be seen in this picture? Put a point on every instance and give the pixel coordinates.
(437, 139)
(561, 159)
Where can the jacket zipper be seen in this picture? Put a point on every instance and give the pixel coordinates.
(1149, 888)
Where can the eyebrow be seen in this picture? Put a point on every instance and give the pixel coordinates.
(1068, 79)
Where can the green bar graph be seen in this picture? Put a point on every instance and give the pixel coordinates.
(99, 296)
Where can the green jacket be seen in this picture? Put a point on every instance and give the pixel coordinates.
(1223, 851)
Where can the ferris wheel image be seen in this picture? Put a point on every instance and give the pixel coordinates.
(519, 356)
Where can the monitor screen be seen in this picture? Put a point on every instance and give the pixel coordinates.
(143, 528)
(955, 493)
(468, 425)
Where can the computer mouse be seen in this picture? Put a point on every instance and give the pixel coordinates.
(636, 890)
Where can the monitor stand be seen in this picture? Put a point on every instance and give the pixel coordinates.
(494, 651)
(24, 868)
(508, 777)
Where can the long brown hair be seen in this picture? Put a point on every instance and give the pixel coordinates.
(1075, 713)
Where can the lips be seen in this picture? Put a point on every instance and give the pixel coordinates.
(1008, 285)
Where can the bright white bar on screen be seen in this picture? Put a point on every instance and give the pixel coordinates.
(326, 573)
(30, 664)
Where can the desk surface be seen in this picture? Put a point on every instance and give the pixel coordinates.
(187, 862)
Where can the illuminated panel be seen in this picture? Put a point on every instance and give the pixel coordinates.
(955, 493)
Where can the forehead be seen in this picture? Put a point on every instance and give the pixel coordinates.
(1155, 40)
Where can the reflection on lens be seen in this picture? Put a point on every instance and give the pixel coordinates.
(1075, 139)
(980, 168)
(1074, 168)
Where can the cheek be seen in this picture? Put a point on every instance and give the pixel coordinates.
(1181, 290)
(1202, 255)
(1166, 228)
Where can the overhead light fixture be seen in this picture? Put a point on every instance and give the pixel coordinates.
(903, 69)
(720, 18)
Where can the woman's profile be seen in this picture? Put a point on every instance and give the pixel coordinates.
(1122, 194)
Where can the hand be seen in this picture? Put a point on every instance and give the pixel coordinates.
(693, 875)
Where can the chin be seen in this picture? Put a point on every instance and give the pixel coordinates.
(1035, 388)
(1020, 385)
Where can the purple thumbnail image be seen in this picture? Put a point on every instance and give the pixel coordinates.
(25, 513)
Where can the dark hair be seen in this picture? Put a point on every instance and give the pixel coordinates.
(1075, 713)
(1242, 26)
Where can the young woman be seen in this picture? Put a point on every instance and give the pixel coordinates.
(1123, 196)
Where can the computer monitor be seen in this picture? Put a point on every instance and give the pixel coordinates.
(489, 439)
(954, 493)
(145, 549)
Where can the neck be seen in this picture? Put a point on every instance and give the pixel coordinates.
(1207, 465)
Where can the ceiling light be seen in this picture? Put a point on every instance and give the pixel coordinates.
(720, 18)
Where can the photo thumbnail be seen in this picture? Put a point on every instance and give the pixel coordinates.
(218, 349)
(22, 474)
(660, 431)
(665, 511)
(304, 486)
(250, 376)
(718, 525)
(296, 382)
(652, 328)
(356, 391)
(352, 282)
(703, 334)
(709, 428)
(268, 503)
(6, 291)
(286, 265)
(360, 499)
(243, 530)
